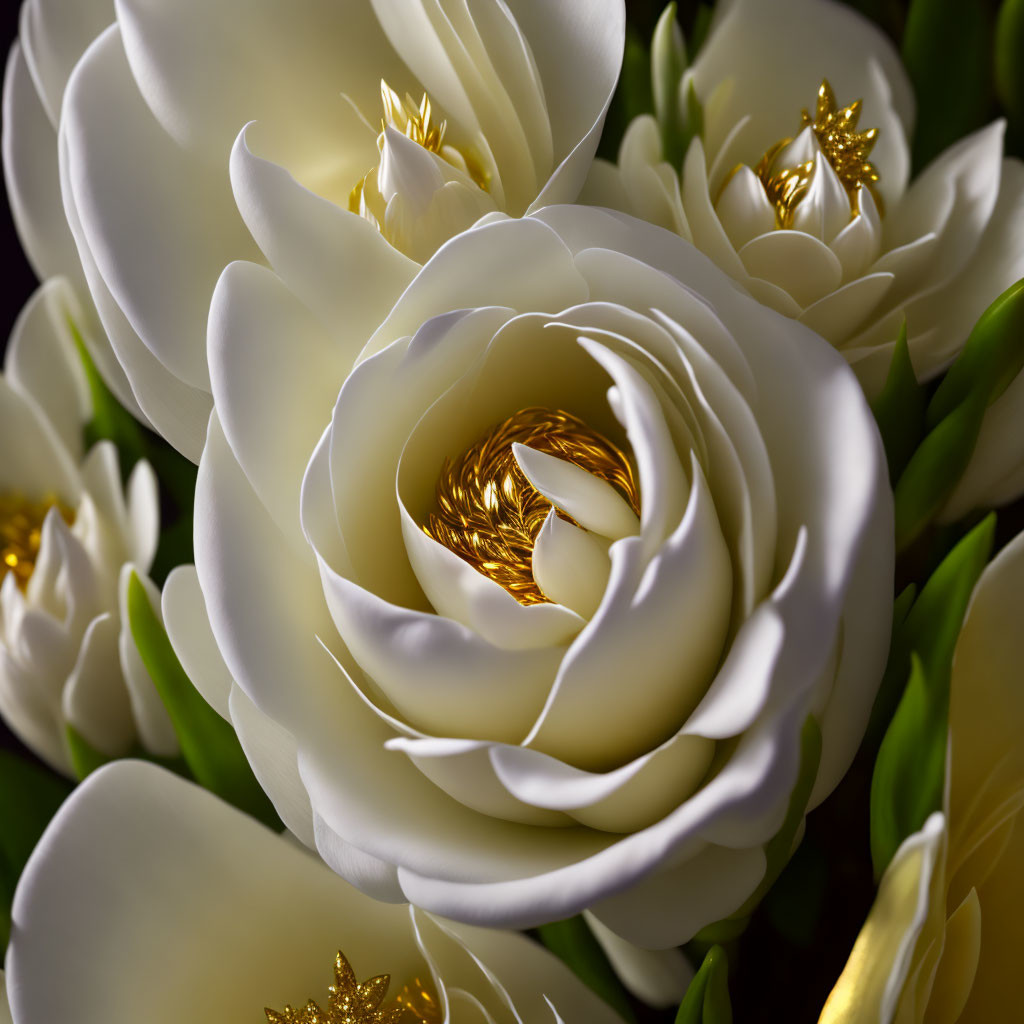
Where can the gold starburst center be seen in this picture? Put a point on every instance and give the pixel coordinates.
(490, 515)
(21, 533)
(845, 148)
(354, 1002)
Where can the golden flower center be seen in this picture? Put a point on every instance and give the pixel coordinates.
(354, 1002)
(21, 532)
(488, 512)
(845, 148)
(415, 122)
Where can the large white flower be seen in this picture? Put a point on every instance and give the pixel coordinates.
(148, 899)
(800, 191)
(534, 711)
(944, 938)
(163, 184)
(70, 537)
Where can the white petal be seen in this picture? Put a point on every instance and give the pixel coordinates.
(743, 208)
(273, 754)
(463, 769)
(151, 717)
(458, 591)
(265, 612)
(159, 225)
(670, 906)
(204, 80)
(592, 502)
(275, 375)
(335, 262)
(797, 262)
(42, 362)
(674, 608)
(95, 700)
(33, 461)
(570, 565)
(188, 629)
(659, 977)
(149, 862)
(837, 315)
(440, 675)
(624, 800)
(55, 35)
(521, 264)
(31, 174)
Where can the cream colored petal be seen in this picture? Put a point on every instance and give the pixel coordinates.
(871, 984)
(204, 913)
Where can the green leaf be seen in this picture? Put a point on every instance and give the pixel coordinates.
(668, 64)
(779, 849)
(632, 97)
(992, 356)
(30, 795)
(110, 421)
(208, 743)
(903, 786)
(85, 758)
(574, 944)
(909, 773)
(947, 49)
(1009, 62)
(935, 469)
(900, 409)
(707, 999)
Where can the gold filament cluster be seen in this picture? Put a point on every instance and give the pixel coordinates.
(490, 515)
(845, 148)
(415, 122)
(21, 532)
(354, 1002)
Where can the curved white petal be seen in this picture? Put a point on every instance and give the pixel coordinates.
(570, 565)
(148, 863)
(159, 226)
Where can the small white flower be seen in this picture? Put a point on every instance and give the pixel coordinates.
(163, 183)
(599, 708)
(71, 535)
(148, 899)
(817, 217)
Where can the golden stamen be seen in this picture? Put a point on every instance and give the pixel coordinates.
(845, 148)
(490, 515)
(21, 533)
(415, 122)
(354, 1002)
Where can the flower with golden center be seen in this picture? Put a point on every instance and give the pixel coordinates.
(355, 1002)
(489, 513)
(71, 536)
(843, 146)
(176, 162)
(826, 225)
(21, 532)
(138, 863)
(580, 563)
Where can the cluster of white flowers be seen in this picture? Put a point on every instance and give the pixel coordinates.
(544, 553)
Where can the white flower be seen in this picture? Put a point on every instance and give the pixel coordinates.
(149, 899)
(71, 536)
(791, 211)
(163, 184)
(943, 939)
(627, 737)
